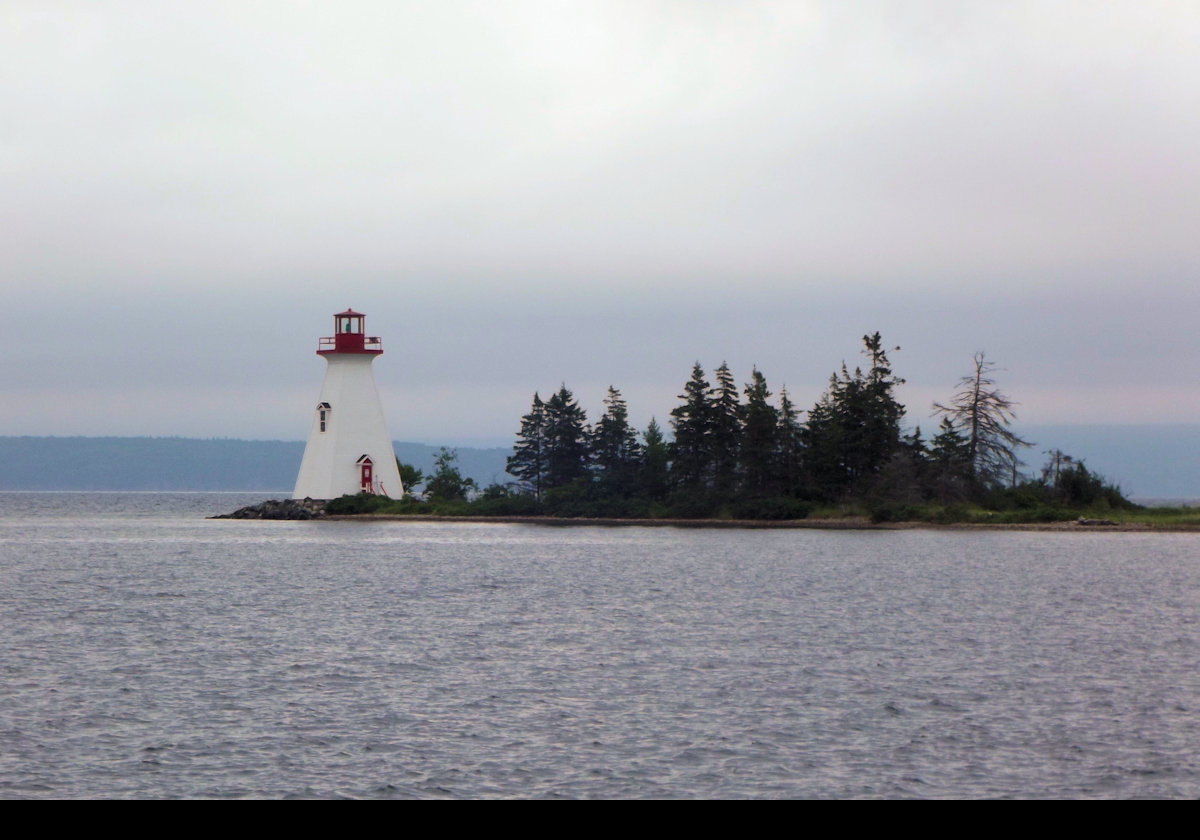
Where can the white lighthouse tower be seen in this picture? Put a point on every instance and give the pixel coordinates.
(349, 450)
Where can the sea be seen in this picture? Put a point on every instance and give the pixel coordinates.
(148, 652)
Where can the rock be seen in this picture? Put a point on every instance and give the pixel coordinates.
(279, 509)
(1085, 521)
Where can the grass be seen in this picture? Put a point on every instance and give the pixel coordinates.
(1163, 517)
(880, 513)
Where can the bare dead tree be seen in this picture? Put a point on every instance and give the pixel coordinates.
(983, 414)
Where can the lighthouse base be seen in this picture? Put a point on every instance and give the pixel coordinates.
(349, 450)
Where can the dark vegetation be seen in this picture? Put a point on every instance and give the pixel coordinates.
(738, 454)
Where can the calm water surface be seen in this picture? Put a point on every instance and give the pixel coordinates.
(148, 652)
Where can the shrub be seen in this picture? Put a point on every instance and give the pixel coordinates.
(360, 503)
(893, 512)
(506, 505)
(773, 508)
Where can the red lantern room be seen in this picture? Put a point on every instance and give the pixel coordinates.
(349, 336)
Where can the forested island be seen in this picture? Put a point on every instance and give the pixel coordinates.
(737, 454)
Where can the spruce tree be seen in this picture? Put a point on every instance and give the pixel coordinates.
(528, 461)
(759, 440)
(854, 430)
(883, 411)
(726, 430)
(691, 451)
(789, 465)
(654, 477)
(615, 452)
(824, 448)
(949, 463)
(566, 440)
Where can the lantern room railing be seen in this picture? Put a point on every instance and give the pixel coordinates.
(350, 343)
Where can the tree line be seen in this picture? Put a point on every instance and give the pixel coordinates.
(736, 452)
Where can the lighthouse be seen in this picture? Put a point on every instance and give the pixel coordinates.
(349, 450)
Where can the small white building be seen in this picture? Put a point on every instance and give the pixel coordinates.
(349, 450)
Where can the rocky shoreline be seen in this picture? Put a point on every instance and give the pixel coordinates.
(296, 509)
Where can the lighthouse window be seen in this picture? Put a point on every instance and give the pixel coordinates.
(323, 414)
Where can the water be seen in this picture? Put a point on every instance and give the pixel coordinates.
(148, 652)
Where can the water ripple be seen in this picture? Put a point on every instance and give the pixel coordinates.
(147, 652)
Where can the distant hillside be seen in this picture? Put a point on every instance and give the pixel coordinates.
(115, 463)
(1147, 461)
(486, 466)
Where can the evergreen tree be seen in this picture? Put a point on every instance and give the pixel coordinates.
(654, 478)
(901, 481)
(528, 461)
(914, 445)
(760, 440)
(949, 463)
(854, 430)
(949, 450)
(881, 422)
(1068, 481)
(726, 430)
(691, 451)
(566, 440)
(447, 483)
(615, 452)
(789, 436)
(410, 477)
(823, 445)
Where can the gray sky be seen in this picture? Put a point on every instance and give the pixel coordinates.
(524, 194)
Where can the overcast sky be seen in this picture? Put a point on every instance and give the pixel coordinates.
(521, 194)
